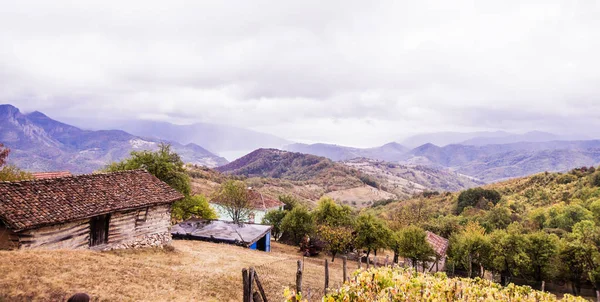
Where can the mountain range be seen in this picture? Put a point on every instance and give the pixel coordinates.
(488, 162)
(359, 181)
(39, 143)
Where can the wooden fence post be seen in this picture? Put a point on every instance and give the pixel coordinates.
(387, 259)
(260, 287)
(326, 275)
(250, 283)
(299, 278)
(375, 261)
(368, 262)
(345, 268)
(359, 261)
(245, 283)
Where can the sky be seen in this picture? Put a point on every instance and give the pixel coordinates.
(356, 73)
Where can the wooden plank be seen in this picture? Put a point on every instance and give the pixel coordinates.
(245, 284)
(326, 275)
(250, 283)
(299, 277)
(345, 268)
(260, 287)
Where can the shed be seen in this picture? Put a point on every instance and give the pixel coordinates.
(253, 236)
(100, 211)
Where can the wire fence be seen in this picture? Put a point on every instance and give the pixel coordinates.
(278, 275)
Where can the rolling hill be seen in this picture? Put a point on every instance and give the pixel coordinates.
(39, 143)
(388, 152)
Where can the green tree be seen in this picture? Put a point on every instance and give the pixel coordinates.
(542, 250)
(331, 214)
(477, 197)
(297, 223)
(337, 239)
(508, 254)
(413, 245)
(275, 218)
(289, 201)
(192, 206)
(371, 233)
(165, 164)
(566, 216)
(233, 197)
(498, 217)
(470, 247)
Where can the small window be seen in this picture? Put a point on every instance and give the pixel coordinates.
(142, 215)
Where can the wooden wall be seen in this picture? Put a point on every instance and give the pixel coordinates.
(125, 228)
(135, 225)
(8, 239)
(71, 235)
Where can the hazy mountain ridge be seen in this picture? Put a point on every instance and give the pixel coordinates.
(489, 163)
(389, 152)
(39, 143)
(220, 139)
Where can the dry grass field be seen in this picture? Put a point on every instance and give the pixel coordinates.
(194, 271)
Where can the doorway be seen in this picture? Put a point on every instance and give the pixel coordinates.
(99, 229)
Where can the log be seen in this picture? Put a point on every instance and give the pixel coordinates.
(299, 278)
(345, 268)
(245, 283)
(326, 275)
(260, 287)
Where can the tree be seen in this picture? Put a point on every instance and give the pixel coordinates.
(508, 253)
(233, 196)
(477, 197)
(10, 172)
(371, 233)
(498, 217)
(275, 218)
(471, 246)
(192, 206)
(297, 223)
(337, 239)
(289, 201)
(3, 154)
(566, 216)
(165, 164)
(413, 245)
(542, 249)
(331, 214)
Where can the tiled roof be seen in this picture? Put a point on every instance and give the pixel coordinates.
(259, 201)
(34, 203)
(45, 175)
(438, 243)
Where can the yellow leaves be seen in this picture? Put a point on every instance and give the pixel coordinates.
(387, 284)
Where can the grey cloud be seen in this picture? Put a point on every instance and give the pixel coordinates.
(309, 70)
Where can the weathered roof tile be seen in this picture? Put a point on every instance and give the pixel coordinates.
(33, 203)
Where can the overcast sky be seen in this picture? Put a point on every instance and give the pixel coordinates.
(357, 73)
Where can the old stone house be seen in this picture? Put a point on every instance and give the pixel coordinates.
(99, 211)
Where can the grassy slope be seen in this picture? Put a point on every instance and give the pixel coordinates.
(194, 271)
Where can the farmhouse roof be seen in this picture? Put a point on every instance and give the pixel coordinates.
(220, 231)
(55, 174)
(259, 201)
(438, 243)
(34, 203)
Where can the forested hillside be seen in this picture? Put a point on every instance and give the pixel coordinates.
(538, 228)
